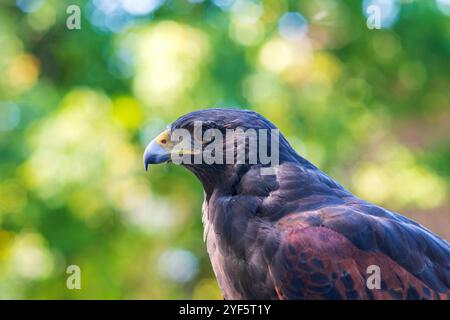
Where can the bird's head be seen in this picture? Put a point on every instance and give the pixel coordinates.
(217, 144)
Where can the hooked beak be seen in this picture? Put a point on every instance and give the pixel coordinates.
(158, 150)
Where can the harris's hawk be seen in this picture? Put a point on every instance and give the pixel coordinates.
(297, 233)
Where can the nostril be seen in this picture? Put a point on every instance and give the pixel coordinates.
(163, 141)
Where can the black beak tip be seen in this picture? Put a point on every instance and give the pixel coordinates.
(155, 159)
(154, 154)
(146, 161)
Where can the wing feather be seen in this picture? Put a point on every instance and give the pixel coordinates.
(319, 263)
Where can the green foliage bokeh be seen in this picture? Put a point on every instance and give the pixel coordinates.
(369, 107)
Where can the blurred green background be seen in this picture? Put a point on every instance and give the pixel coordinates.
(77, 107)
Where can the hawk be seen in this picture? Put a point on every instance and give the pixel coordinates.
(296, 233)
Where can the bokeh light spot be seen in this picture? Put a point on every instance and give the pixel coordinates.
(23, 72)
(388, 9)
(29, 5)
(9, 116)
(276, 55)
(141, 7)
(178, 265)
(292, 26)
(30, 256)
(443, 6)
(224, 4)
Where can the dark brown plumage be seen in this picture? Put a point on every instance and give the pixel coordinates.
(298, 234)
